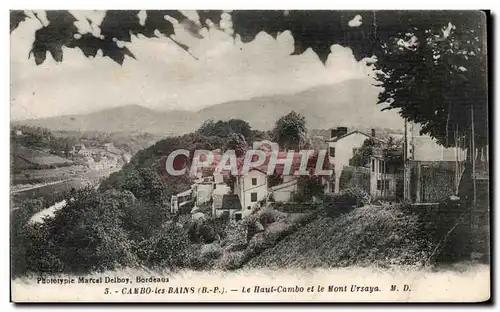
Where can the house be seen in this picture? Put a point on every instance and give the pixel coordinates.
(432, 172)
(251, 188)
(181, 202)
(341, 148)
(386, 174)
(202, 190)
(228, 206)
(283, 192)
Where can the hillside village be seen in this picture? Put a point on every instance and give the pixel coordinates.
(407, 167)
(232, 219)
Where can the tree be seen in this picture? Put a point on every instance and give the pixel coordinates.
(224, 129)
(435, 75)
(88, 235)
(237, 143)
(362, 156)
(290, 131)
(242, 127)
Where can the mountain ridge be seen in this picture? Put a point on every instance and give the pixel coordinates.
(350, 103)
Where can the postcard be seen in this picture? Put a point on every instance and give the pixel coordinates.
(249, 156)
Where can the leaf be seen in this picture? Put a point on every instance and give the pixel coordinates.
(39, 54)
(57, 53)
(16, 17)
(117, 54)
(90, 44)
(60, 17)
(52, 38)
(155, 19)
(212, 15)
(120, 24)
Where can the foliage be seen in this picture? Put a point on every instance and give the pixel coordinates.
(145, 184)
(290, 131)
(435, 74)
(312, 29)
(224, 129)
(237, 142)
(95, 231)
(357, 177)
(166, 248)
(362, 156)
(207, 230)
(373, 236)
(345, 201)
(309, 187)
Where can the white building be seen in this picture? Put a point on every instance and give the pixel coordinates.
(386, 174)
(341, 148)
(283, 192)
(251, 188)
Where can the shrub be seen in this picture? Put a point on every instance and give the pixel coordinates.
(166, 248)
(346, 200)
(207, 230)
(85, 236)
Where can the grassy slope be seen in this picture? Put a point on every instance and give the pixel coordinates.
(368, 236)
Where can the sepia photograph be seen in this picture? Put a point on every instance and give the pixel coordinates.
(249, 156)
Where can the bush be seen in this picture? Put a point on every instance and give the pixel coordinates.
(207, 230)
(166, 248)
(85, 236)
(346, 200)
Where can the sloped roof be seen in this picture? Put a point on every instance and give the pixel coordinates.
(353, 132)
(229, 202)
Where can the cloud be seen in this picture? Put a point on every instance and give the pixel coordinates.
(166, 77)
(356, 21)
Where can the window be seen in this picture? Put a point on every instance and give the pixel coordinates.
(379, 185)
(373, 165)
(386, 186)
(380, 166)
(237, 217)
(254, 181)
(332, 151)
(253, 197)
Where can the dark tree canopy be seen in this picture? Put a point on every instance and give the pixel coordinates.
(290, 131)
(436, 75)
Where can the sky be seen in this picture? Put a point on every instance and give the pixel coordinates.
(164, 76)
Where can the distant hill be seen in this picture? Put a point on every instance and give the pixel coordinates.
(351, 103)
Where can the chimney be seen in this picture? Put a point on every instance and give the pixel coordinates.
(341, 131)
(373, 132)
(333, 133)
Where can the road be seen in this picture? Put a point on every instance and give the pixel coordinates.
(24, 189)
